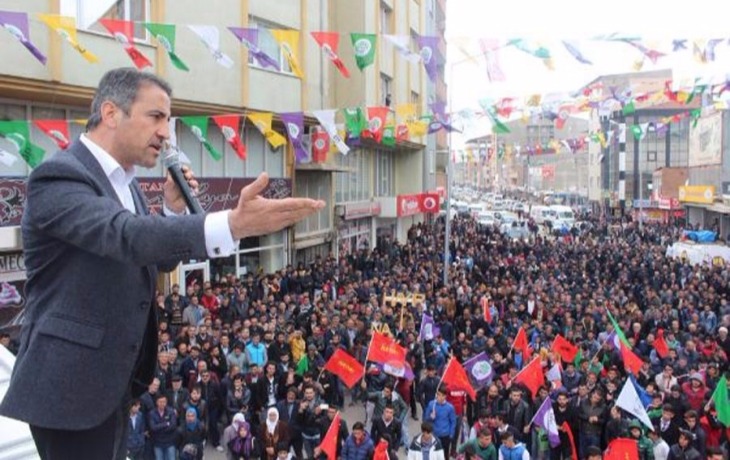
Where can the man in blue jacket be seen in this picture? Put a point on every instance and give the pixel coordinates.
(442, 415)
(136, 431)
(358, 446)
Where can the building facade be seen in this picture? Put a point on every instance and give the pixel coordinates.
(360, 189)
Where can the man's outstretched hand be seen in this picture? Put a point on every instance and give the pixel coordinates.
(256, 215)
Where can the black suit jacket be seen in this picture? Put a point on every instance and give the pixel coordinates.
(92, 268)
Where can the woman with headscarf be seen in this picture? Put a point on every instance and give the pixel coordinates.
(273, 432)
(192, 434)
(231, 432)
(244, 445)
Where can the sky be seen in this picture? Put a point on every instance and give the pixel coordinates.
(547, 23)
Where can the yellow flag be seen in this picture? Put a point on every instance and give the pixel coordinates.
(65, 26)
(682, 96)
(80, 121)
(417, 128)
(534, 100)
(289, 42)
(262, 121)
(405, 112)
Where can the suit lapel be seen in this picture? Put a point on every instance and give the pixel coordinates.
(81, 153)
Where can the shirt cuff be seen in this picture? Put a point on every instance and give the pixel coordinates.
(218, 239)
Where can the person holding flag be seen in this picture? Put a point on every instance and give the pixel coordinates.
(441, 414)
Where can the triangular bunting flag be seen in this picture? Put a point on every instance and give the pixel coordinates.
(65, 26)
(56, 130)
(402, 44)
(17, 24)
(123, 32)
(229, 126)
(320, 145)
(165, 35)
(429, 53)
(355, 121)
(249, 37)
(327, 119)
(329, 42)
(364, 46)
(262, 121)
(376, 122)
(289, 42)
(17, 133)
(294, 124)
(210, 36)
(199, 126)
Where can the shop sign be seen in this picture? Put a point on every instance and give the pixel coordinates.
(361, 209)
(702, 194)
(408, 205)
(12, 262)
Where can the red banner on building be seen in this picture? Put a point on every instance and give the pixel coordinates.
(419, 203)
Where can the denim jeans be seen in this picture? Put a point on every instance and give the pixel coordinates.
(165, 453)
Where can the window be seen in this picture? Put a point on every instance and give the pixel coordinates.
(354, 185)
(317, 186)
(385, 88)
(384, 174)
(651, 155)
(88, 13)
(386, 19)
(268, 45)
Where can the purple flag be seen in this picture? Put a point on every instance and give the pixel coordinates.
(429, 330)
(294, 123)
(575, 52)
(250, 38)
(545, 419)
(17, 25)
(479, 370)
(429, 50)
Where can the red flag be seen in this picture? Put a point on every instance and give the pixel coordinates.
(381, 451)
(660, 345)
(531, 376)
(522, 344)
(328, 445)
(56, 130)
(486, 311)
(401, 133)
(569, 432)
(456, 379)
(329, 42)
(622, 449)
(385, 350)
(563, 348)
(344, 366)
(229, 127)
(376, 123)
(320, 145)
(428, 202)
(123, 32)
(632, 363)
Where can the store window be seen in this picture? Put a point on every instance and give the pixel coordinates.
(268, 45)
(88, 13)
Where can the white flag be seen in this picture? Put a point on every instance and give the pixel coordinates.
(211, 38)
(326, 118)
(554, 373)
(7, 158)
(629, 401)
(400, 42)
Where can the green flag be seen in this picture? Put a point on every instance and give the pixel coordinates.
(618, 330)
(18, 133)
(498, 127)
(629, 108)
(199, 126)
(389, 136)
(637, 132)
(355, 121)
(695, 115)
(303, 365)
(722, 403)
(578, 358)
(165, 34)
(364, 46)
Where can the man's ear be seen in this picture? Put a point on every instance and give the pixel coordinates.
(110, 114)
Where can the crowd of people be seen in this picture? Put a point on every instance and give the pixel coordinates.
(241, 361)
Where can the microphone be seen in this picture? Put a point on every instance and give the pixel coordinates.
(171, 160)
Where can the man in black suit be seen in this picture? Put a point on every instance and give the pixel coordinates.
(92, 254)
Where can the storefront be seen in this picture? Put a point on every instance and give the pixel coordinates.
(356, 229)
(663, 210)
(401, 212)
(703, 211)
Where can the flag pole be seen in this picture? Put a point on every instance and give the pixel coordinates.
(367, 355)
(444, 373)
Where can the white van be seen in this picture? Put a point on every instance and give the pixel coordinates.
(541, 214)
(564, 216)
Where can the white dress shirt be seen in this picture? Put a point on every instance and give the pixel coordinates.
(218, 239)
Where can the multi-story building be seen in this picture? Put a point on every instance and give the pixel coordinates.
(361, 189)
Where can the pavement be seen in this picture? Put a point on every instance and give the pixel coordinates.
(350, 414)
